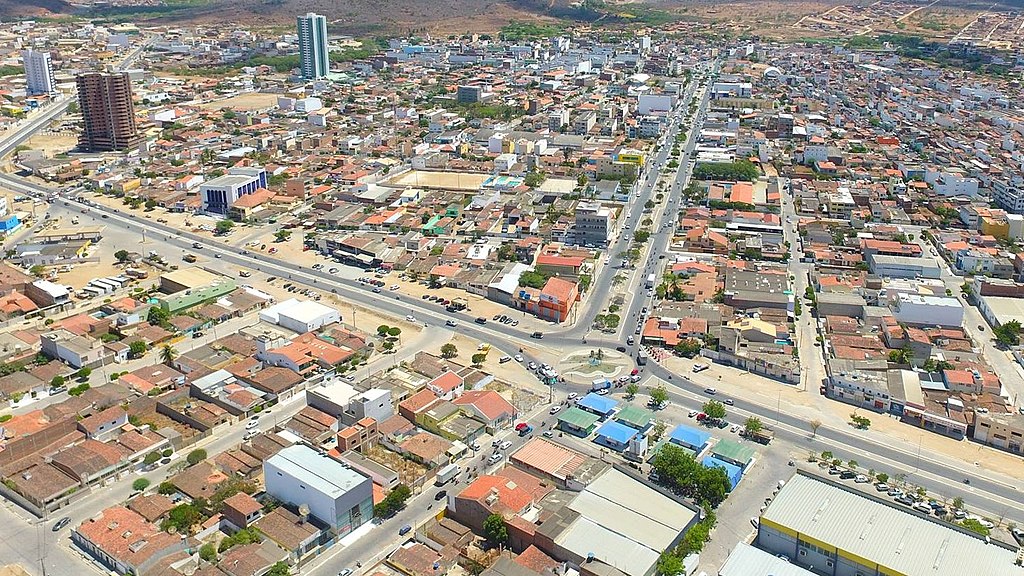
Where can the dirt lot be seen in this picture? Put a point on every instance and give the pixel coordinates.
(447, 180)
(51, 144)
(244, 102)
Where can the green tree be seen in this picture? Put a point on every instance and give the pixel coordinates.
(280, 569)
(658, 394)
(479, 358)
(140, 484)
(182, 517)
(449, 351)
(631, 390)
(382, 330)
(282, 235)
(495, 529)
(224, 226)
(975, 525)
(166, 488)
(394, 331)
(641, 236)
(714, 409)
(901, 356)
(57, 382)
(958, 503)
(151, 458)
(208, 552)
(1008, 333)
(752, 426)
(122, 255)
(669, 564)
(679, 469)
(534, 178)
(37, 270)
(393, 502)
(689, 347)
(196, 456)
(137, 348)
(882, 477)
(168, 354)
(84, 373)
(157, 316)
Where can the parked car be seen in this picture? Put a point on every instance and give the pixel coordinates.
(494, 458)
(505, 445)
(61, 523)
(555, 409)
(711, 391)
(441, 495)
(404, 530)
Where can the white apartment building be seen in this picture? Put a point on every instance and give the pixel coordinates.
(38, 73)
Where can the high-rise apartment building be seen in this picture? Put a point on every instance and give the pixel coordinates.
(38, 73)
(105, 100)
(313, 59)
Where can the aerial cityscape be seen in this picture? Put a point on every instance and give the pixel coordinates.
(499, 288)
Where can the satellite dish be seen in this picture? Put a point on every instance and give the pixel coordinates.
(304, 510)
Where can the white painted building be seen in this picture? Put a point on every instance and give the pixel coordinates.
(334, 493)
(921, 310)
(300, 315)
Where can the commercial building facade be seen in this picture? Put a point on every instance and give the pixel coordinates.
(108, 113)
(335, 494)
(220, 194)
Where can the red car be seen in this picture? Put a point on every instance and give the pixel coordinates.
(634, 372)
(702, 417)
(522, 426)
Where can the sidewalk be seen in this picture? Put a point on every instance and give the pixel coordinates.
(885, 429)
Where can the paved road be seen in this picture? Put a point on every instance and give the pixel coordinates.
(988, 493)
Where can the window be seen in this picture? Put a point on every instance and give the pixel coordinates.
(803, 552)
(828, 563)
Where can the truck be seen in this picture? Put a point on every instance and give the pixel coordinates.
(641, 358)
(447, 473)
(601, 385)
(762, 436)
(651, 279)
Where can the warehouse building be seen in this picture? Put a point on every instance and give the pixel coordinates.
(835, 530)
(618, 522)
(334, 493)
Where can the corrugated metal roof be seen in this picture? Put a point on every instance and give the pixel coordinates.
(884, 533)
(745, 560)
(733, 451)
(578, 418)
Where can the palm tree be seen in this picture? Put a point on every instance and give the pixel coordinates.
(168, 354)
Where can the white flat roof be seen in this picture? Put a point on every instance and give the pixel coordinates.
(745, 560)
(307, 311)
(316, 470)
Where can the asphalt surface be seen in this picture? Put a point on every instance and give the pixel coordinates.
(938, 477)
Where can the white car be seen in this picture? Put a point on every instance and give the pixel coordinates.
(518, 357)
(572, 396)
(505, 445)
(410, 318)
(555, 409)
(692, 413)
(494, 458)
(251, 424)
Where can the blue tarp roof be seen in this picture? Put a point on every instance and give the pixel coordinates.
(598, 403)
(688, 436)
(617, 432)
(734, 472)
